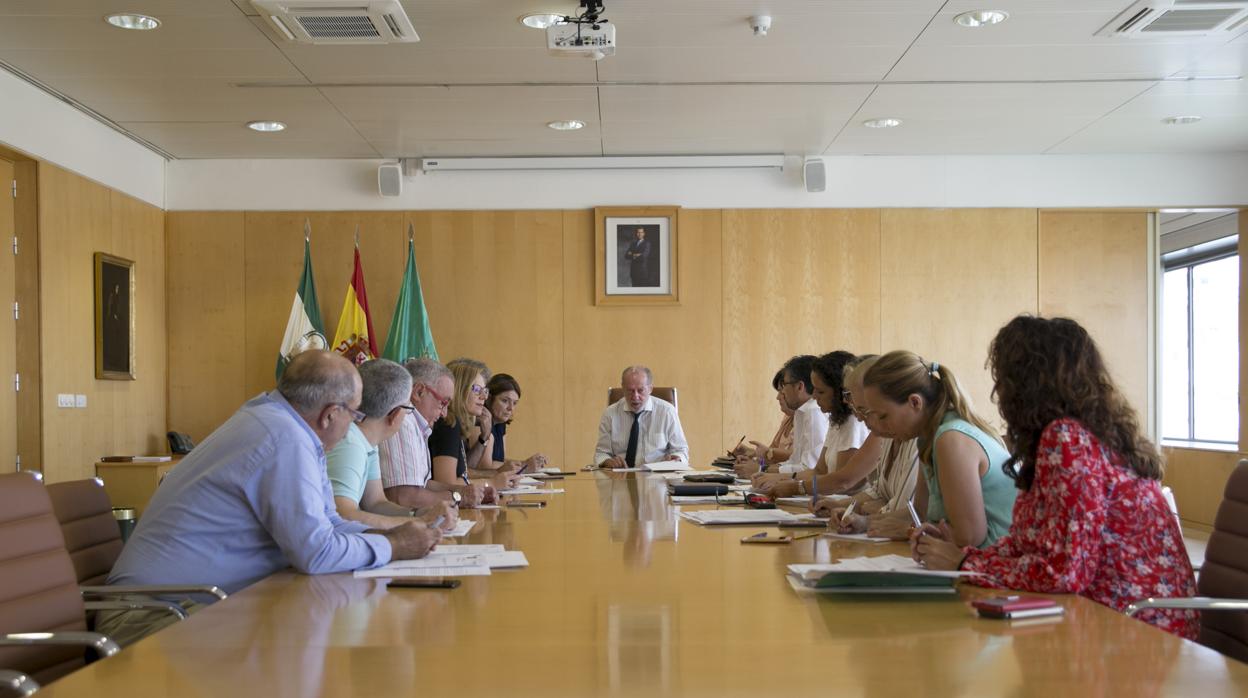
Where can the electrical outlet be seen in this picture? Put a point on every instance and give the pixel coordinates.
(80, 401)
(64, 400)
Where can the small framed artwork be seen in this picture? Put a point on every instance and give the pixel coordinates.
(114, 318)
(635, 255)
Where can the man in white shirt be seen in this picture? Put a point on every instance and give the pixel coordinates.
(810, 424)
(639, 429)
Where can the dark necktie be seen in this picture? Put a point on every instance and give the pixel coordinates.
(630, 455)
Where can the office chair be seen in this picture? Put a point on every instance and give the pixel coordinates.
(1223, 580)
(616, 394)
(42, 616)
(93, 541)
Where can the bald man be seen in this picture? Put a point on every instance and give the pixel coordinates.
(638, 428)
(254, 498)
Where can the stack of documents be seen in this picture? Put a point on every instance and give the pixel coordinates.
(734, 498)
(727, 517)
(885, 574)
(462, 527)
(667, 466)
(529, 489)
(452, 561)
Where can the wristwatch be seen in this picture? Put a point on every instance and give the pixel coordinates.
(456, 497)
(801, 487)
(482, 439)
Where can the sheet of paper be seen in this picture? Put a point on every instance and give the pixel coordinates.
(707, 499)
(738, 516)
(667, 466)
(476, 549)
(483, 506)
(462, 527)
(530, 481)
(529, 490)
(881, 563)
(860, 537)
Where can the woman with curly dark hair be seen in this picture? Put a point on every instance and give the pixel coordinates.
(1090, 518)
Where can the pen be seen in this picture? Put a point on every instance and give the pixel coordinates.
(914, 516)
(535, 505)
(734, 448)
(849, 511)
(808, 535)
(437, 523)
(523, 467)
(814, 490)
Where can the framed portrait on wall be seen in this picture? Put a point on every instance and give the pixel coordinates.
(114, 317)
(635, 255)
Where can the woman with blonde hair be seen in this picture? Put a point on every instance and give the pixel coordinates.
(959, 452)
(458, 442)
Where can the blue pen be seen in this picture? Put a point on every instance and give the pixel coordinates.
(437, 523)
(814, 490)
(762, 464)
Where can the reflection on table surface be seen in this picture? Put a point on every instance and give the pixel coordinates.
(622, 597)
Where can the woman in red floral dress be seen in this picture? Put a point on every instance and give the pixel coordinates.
(1090, 518)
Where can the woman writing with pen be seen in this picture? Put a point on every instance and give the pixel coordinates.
(1090, 518)
(960, 455)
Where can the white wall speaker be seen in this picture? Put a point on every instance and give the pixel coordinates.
(390, 180)
(814, 175)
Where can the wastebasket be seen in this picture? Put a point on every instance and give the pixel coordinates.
(126, 521)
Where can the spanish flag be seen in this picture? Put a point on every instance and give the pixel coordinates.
(355, 337)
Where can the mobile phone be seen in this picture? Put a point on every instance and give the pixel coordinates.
(418, 583)
(759, 501)
(764, 538)
(1016, 607)
(805, 523)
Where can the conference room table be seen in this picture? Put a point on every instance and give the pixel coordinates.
(624, 598)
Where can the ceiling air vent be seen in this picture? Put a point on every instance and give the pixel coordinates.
(339, 22)
(1150, 18)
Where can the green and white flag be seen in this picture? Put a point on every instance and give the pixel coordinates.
(410, 335)
(304, 329)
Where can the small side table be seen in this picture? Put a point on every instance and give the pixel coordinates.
(133, 484)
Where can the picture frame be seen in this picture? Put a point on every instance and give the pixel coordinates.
(114, 317)
(636, 255)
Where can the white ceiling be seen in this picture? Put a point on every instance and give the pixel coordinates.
(688, 78)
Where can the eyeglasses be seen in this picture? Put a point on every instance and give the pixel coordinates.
(356, 415)
(408, 407)
(480, 390)
(442, 401)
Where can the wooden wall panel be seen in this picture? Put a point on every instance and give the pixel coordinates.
(1243, 329)
(273, 259)
(1198, 478)
(1094, 269)
(76, 219)
(950, 279)
(29, 400)
(8, 328)
(796, 281)
(207, 311)
(493, 284)
(681, 344)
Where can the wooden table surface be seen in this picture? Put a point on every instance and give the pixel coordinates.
(621, 598)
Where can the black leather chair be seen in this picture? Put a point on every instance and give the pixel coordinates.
(616, 394)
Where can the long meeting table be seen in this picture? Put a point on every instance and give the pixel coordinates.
(624, 598)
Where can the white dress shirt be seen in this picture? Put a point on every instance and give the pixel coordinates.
(660, 432)
(404, 457)
(810, 428)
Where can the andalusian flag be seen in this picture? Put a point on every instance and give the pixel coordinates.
(354, 338)
(409, 330)
(305, 327)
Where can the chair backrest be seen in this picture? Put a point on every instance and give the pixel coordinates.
(616, 394)
(92, 537)
(1225, 572)
(38, 589)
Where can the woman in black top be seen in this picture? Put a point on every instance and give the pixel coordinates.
(454, 447)
(501, 403)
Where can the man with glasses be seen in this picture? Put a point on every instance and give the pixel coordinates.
(353, 465)
(638, 428)
(406, 473)
(253, 498)
(810, 425)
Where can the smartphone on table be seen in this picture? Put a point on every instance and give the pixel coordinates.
(423, 583)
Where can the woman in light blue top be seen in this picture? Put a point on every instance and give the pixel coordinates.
(963, 481)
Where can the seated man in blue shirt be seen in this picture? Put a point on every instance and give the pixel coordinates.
(353, 465)
(253, 498)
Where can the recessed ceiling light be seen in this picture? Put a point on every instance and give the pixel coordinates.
(886, 122)
(981, 18)
(541, 20)
(570, 125)
(1179, 120)
(266, 126)
(127, 20)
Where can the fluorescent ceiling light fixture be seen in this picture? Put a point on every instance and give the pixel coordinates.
(1180, 120)
(981, 18)
(128, 20)
(266, 126)
(885, 122)
(617, 162)
(541, 20)
(1197, 210)
(570, 125)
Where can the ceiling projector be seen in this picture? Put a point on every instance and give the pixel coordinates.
(596, 41)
